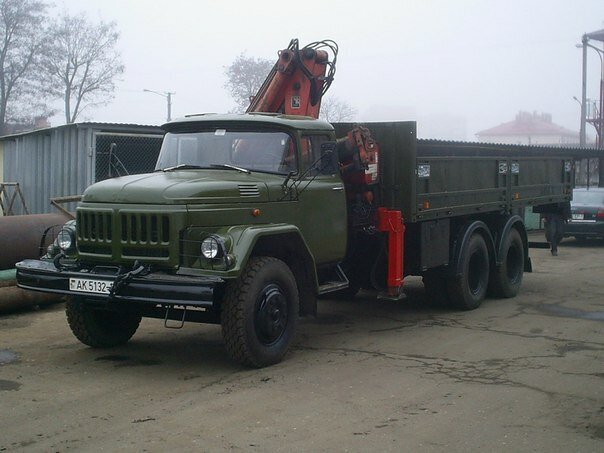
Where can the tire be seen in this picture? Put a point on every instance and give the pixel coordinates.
(507, 278)
(468, 291)
(260, 313)
(100, 328)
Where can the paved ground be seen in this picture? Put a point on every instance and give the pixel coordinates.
(525, 374)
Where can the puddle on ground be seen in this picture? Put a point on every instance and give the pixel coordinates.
(7, 356)
(566, 312)
(9, 385)
(125, 361)
(113, 358)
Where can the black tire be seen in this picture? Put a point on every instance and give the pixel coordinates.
(260, 313)
(507, 278)
(435, 287)
(467, 291)
(100, 328)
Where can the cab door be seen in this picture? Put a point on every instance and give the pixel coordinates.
(321, 202)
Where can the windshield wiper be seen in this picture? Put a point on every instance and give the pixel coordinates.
(231, 167)
(182, 167)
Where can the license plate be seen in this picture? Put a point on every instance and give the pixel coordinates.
(578, 216)
(86, 285)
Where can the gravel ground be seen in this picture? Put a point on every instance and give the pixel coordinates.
(524, 374)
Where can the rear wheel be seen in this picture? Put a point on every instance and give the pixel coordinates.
(507, 278)
(100, 328)
(260, 313)
(467, 291)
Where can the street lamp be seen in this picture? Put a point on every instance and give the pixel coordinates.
(168, 96)
(598, 119)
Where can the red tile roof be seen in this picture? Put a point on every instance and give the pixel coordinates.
(530, 125)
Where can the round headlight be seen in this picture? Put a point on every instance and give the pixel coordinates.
(210, 247)
(64, 239)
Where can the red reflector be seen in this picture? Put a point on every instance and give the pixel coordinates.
(600, 215)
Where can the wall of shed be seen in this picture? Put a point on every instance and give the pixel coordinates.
(1, 162)
(1, 168)
(48, 164)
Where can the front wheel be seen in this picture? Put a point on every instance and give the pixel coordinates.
(100, 328)
(260, 313)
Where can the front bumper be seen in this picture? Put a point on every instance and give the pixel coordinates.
(585, 229)
(154, 288)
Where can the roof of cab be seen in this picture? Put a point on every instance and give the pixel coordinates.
(264, 119)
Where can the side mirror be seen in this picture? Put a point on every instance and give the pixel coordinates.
(328, 147)
(329, 156)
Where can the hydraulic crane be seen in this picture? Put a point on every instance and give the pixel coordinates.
(295, 86)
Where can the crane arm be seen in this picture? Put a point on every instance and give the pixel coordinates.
(298, 80)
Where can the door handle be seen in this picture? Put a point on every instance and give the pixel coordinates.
(337, 188)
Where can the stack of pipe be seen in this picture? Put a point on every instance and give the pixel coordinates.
(23, 237)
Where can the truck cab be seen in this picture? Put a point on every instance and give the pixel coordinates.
(225, 176)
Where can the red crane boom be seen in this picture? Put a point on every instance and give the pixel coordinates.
(298, 80)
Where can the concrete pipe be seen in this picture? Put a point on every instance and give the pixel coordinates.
(13, 298)
(27, 236)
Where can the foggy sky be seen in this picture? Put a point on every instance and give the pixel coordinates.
(456, 66)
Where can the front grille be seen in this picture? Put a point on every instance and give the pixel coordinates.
(94, 226)
(145, 228)
(146, 252)
(128, 235)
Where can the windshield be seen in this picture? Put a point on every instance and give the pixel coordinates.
(589, 197)
(271, 152)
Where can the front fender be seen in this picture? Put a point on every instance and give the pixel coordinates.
(284, 241)
(245, 239)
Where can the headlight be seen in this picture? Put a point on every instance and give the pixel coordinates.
(212, 247)
(65, 239)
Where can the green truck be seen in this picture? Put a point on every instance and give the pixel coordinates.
(249, 219)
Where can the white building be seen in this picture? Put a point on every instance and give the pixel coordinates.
(530, 129)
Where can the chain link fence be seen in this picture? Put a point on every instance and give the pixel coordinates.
(122, 154)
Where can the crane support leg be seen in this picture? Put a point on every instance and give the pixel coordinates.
(391, 222)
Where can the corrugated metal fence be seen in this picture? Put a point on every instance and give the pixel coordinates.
(64, 160)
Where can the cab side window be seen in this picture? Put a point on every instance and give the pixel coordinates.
(310, 153)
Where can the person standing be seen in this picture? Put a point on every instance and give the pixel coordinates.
(554, 231)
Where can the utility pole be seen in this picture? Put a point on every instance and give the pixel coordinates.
(165, 94)
(582, 132)
(597, 119)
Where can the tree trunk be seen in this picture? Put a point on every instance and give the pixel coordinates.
(3, 125)
(67, 108)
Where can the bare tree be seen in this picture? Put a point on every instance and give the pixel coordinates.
(83, 63)
(335, 110)
(22, 37)
(245, 76)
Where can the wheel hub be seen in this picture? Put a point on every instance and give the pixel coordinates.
(271, 315)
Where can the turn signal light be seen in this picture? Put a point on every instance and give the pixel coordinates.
(256, 212)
